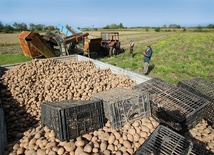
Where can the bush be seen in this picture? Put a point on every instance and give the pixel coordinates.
(157, 29)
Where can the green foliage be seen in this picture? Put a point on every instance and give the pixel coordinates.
(20, 26)
(210, 26)
(157, 29)
(8, 29)
(13, 58)
(114, 26)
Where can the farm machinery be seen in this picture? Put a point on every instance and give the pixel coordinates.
(52, 44)
(64, 42)
(107, 44)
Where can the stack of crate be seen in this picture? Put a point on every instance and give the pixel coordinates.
(3, 132)
(72, 118)
(204, 89)
(174, 106)
(124, 105)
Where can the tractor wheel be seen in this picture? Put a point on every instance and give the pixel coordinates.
(110, 51)
(113, 51)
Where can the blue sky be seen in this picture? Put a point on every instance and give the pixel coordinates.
(98, 13)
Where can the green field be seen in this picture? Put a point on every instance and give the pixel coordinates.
(176, 55)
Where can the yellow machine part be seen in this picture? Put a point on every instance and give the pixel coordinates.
(33, 46)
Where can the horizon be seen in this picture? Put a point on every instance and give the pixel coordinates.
(91, 13)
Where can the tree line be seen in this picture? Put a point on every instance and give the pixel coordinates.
(18, 27)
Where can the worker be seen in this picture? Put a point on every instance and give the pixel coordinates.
(132, 48)
(147, 56)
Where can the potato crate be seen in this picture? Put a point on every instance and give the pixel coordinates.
(200, 150)
(173, 106)
(165, 141)
(72, 118)
(204, 89)
(124, 105)
(3, 132)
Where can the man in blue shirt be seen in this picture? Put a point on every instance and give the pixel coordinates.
(147, 56)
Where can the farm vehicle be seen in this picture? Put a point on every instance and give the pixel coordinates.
(107, 44)
(65, 42)
(52, 44)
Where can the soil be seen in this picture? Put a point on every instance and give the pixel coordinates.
(10, 49)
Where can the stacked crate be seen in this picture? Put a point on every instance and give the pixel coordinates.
(173, 106)
(204, 89)
(3, 132)
(72, 118)
(167, 142)
(124, 105)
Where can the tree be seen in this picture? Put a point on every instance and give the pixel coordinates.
(114, 26)
(8, 29)
(121, 26)
(164, 26)
(20, 26)
(1, 27)
(32, 27)
(51, 28)
(157, 29)
(210, 26)
(174, 26)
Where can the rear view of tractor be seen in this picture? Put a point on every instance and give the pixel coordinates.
(110, 43)
(107, 44)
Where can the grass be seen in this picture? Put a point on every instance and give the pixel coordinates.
(179, 55)
(13, 58)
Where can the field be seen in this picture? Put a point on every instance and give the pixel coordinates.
(176, 54)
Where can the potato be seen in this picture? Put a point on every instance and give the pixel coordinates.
(111, 139)
(87, 148)
(79, 143)
(127, 144)
(41, 152)
(103, 146)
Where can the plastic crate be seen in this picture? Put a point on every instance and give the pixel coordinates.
(124, 105)
(199, 150)
(154, 86)
(198, 86)
(165, 141)
(173, 106)
(72, 118)
(3, 132)
(204, 89)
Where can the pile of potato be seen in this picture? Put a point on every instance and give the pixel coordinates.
(26, 86)
(203, 133)
(41, 140)
(49, 80)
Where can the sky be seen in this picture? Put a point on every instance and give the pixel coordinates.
(98, 13)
